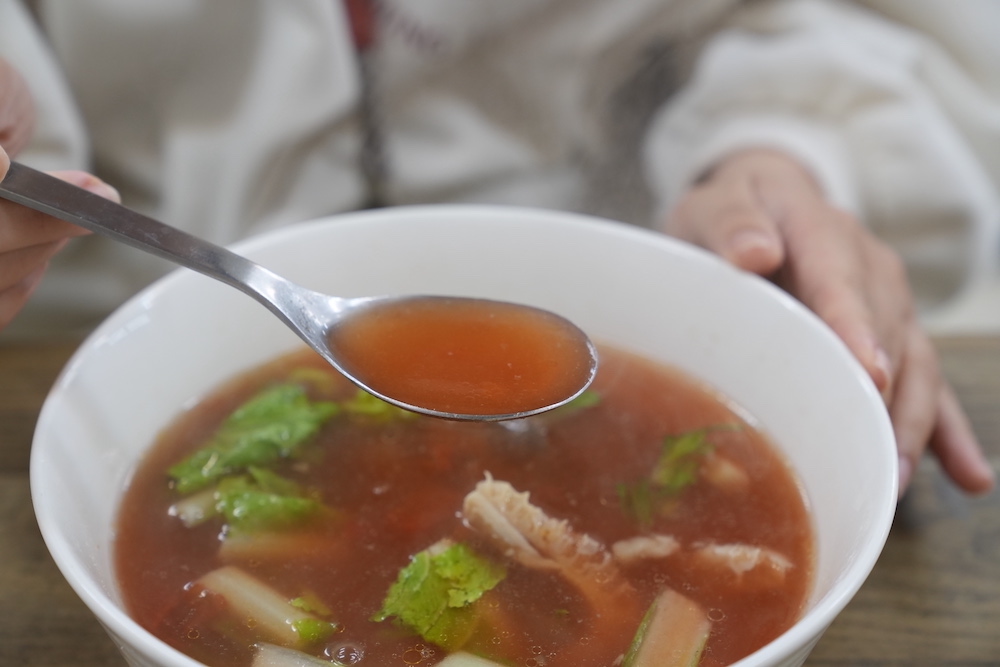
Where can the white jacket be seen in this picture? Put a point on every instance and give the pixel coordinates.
(228, 117)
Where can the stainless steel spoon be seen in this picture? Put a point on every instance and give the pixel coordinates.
(315, 317)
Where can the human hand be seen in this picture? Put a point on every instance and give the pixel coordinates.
(28, 239)
(762, 211)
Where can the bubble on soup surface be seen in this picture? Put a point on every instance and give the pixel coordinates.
(348, 653)
(417, 654)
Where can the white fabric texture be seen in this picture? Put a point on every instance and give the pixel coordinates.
(889, 122)
(229, 117)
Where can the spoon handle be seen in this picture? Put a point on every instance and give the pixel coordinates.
(47, 194)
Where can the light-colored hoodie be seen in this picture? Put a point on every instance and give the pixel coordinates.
(229, 117)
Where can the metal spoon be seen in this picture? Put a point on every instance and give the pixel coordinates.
(317, 318)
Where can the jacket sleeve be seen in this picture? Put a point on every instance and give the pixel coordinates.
(59, 140)
(897, 128)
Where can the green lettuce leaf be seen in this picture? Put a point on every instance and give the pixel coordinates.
(312, 630)
(680, 456)
(263, 500)
(435, 594)
(363, 403)
(588, 399)
(676, 469)
(272, 425)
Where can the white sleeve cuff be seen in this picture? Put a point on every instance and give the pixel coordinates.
(673, 167)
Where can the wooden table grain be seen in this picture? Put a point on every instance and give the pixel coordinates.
(933, 598)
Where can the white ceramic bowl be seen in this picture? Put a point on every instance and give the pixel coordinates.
(632, 288)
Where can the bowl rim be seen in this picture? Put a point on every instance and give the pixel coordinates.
(811, 624)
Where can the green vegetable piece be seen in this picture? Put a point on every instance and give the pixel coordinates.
(587, 399)
(247, 597)
(262, 501)
(370, 405)
(311, 630)
(323, 381)
(677, 467)
(468, 575)
(673, 633)
(195, 508)
(311, 603)
(434, 595)
(638, 501)
(272, 482)
(675, 470)
(272, 425)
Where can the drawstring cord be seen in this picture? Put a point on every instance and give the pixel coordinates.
(363, 15)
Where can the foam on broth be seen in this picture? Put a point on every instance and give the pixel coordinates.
(396, 487)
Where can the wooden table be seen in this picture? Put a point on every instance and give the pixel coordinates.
(933, 598)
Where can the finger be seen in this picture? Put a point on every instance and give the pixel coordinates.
(956, 447)
(19, 264)
(827, 270)
(21, 227)
(914, 408)
(852, 320)
(17, 109)
(89, 182)
(727, 218)
(13, 298)
(890, 299)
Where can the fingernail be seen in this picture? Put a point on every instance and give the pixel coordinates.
(989, 478)
(883, 371)
(92, 184)
(747, 240)
(99, 187)
(905, 474)
(753, 250)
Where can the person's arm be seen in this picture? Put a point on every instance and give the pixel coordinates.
(28, 239)
(805, 136)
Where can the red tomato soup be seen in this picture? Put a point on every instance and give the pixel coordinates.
(465, 356)
(289, 515)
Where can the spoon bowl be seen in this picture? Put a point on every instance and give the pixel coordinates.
(544, 361)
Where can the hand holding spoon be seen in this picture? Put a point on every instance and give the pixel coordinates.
(452, 357)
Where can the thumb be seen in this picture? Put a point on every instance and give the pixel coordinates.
(751, 241)
(728, 219)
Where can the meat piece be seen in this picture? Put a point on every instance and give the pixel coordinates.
(751, 566)
(526, 534)
(725, 474)
(644, 547)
